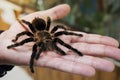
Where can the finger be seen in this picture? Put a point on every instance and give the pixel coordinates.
(57, 12)
(54, 13)
(96, 39)
(97, 63)
(98, 50)
(66, 65)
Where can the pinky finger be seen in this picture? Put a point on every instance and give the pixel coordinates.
(67, 66)
(95, 62)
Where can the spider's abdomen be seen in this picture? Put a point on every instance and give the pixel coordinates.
(39, 24)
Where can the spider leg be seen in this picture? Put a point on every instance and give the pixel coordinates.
(48, 23)
(34, 50)
(29, 25)
(57, 27)
(21, 43)
(57, 48)
(41, 45)
(66, 33)
(68, 46)
(21, 34)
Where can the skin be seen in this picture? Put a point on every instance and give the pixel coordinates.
(93, 46)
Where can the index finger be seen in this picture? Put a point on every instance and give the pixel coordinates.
(95, 39)
(54, 13)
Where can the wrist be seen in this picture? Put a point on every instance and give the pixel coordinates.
(4, 68)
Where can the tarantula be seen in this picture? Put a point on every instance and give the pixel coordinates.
(44, 38)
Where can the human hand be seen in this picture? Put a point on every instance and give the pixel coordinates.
(93, 46)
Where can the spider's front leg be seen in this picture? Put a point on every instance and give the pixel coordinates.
(29, 25)
(48, 23)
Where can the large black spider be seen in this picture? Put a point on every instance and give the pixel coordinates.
(44, 38)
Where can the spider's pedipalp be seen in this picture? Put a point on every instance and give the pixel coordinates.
(48, 23)
(21, 43)
(29, 25)
(34, 51)
(21, 34)
(68, 46)
(66, 33)
(42, 46)
(57, 27)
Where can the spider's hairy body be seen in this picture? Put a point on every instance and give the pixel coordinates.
(44, 38)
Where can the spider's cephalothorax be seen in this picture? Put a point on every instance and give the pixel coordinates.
(44, 38)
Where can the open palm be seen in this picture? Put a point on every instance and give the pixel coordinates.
(93, 46)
